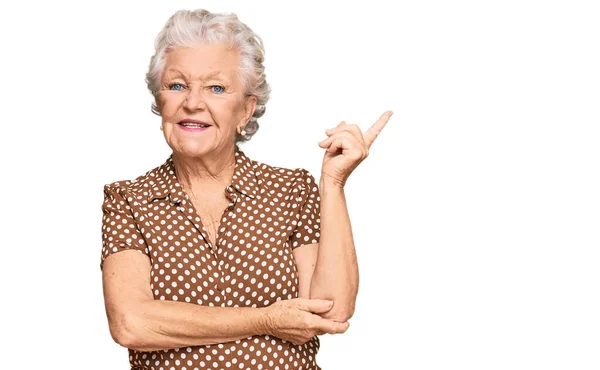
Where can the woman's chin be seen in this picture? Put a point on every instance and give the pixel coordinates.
(193, 152)
(192, 147)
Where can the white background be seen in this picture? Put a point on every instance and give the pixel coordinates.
(476, 216)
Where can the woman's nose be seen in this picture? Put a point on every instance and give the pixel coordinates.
(195, 99)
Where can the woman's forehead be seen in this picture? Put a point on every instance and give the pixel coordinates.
(202, 62)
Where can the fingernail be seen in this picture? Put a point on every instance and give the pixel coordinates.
(330, 303)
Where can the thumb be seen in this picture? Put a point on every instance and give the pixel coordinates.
(325, 143)
(315, 305)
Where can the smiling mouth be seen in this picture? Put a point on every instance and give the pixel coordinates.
(194, 125)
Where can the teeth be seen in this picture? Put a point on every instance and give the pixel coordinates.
(194, 125)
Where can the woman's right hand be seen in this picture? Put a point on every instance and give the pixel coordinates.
(297, 320)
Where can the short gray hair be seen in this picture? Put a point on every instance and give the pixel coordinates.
(187, 28)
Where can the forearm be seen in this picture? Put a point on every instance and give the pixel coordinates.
(156, 325)
(335, 276)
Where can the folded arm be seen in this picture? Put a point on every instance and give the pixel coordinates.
(139, 322)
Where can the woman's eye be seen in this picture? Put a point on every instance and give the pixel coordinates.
(176, 87)
(217, 89)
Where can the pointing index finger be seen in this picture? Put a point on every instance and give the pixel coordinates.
(374, 130)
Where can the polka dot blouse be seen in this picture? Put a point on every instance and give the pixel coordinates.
(272, 210)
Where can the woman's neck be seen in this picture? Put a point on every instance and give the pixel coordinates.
(206, 174)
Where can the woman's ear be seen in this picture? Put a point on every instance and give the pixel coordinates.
(158, 106)
(249, 108)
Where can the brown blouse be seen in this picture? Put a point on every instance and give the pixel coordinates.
(272, 210)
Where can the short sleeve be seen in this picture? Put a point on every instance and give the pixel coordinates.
(119, 229)
(308, 227)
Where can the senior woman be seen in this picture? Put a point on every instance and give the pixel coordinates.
(213, 260)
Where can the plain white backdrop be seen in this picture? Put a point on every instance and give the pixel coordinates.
(476, 216)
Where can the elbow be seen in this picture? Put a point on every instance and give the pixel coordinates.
(124, 332)
(349, 313)
(346, 314)
(340, 312)
(123, 338)
(343, 305)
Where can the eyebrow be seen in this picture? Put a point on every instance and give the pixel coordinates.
(185, 75)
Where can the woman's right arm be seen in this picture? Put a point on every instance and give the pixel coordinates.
(139, 322)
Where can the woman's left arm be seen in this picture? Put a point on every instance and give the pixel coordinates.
(329, 269)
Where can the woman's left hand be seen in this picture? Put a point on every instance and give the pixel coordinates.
(347, 147)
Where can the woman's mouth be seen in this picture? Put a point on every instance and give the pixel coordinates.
(193, 126)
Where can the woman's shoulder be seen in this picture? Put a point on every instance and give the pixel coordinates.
(142, 184)
(282, 176)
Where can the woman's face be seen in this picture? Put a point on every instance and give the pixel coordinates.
(202, 84)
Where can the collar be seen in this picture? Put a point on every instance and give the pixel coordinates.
(164, 182)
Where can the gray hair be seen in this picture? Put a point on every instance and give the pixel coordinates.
(187, 28)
